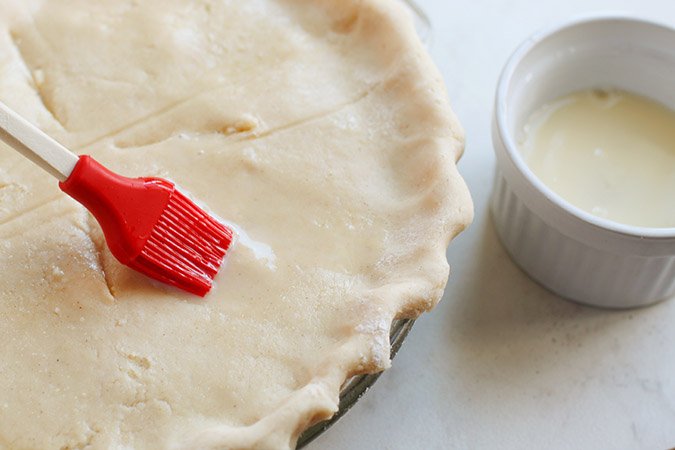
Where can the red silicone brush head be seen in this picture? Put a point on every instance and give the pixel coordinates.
(152, 227)
(186, 247)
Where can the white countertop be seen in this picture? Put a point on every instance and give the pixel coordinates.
(502, 363)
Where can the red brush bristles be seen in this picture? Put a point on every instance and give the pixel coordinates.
(186, 247)
(152, 227)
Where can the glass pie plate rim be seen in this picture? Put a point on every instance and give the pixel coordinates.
(354, 388)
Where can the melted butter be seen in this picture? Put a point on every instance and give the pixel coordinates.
(261, 251)
(610, 153)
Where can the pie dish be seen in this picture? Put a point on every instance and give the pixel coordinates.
(319, 130)
(354, 388)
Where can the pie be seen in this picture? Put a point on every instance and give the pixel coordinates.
(319, 130)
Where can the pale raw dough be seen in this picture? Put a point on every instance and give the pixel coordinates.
(319, 128)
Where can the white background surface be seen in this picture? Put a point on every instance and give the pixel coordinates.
(501, 363)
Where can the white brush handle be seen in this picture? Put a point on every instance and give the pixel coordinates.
(31, 142)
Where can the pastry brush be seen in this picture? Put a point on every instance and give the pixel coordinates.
(149, 225)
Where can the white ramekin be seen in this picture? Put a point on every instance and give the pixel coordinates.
(573, 253)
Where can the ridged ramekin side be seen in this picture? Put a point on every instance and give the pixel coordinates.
(573, 269)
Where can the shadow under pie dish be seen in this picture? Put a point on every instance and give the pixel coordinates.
(319, 129)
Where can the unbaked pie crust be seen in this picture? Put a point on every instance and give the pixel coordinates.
(319, 129)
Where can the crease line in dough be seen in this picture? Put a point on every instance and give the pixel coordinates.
(34, 82)
(104, 272)
(99, 78)
(154, 114)
(239, 137)
(99, 247)
(317, 116)
(17, 215)
(158, 113)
